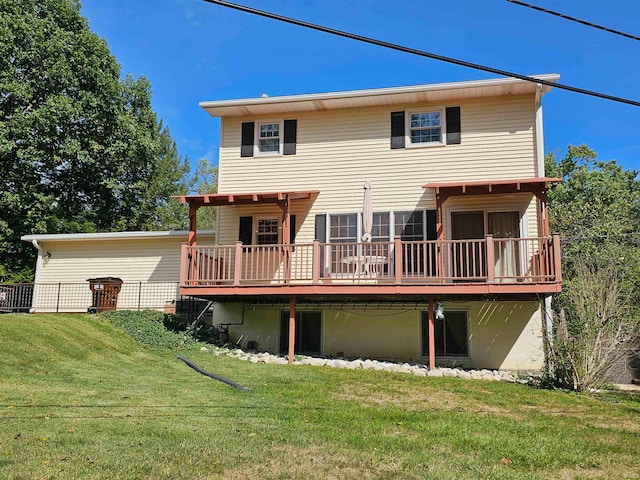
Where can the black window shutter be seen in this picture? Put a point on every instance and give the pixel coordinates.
(397, 130)
(432, 234)
(248, 131)
(321, 235)
(245, 234)
(453, 125)
(432, 225)
(321, 227)
(290, 134)
(292, 231)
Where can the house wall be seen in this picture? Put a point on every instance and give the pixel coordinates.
(338, 150)
(502, 335)
(153, 261)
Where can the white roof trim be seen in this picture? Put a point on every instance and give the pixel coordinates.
(247, 106)
(74, 237)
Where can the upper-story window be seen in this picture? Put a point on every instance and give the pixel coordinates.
(269, 137)
(425, 127)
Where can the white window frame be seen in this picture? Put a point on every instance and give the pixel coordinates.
(443, 127)
(256, 140)
(392, 219)
(256, 234)
(339, 214)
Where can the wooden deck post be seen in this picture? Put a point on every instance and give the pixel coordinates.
(315, 269)
(286, 237)
(237, 264)
(184, 264)
(292, 328)
(397, 260)
(491, 259)
(193, 224)
(544, 214)
(432, 335)
(440, 245)
(557, 258)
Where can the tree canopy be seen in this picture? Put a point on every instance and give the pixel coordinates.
(597, 211)
(81, 148)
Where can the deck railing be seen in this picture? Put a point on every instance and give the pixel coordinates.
(490, 260)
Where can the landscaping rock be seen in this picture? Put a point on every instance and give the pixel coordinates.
(418, 369)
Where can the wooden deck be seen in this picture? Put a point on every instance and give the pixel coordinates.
(444, 267)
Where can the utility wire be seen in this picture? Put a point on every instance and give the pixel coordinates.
(573, 19)
(420, 53)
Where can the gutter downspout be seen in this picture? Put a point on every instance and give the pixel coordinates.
(539, 134)
(36, 281)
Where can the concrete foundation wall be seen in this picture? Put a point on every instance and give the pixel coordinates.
(501, 335)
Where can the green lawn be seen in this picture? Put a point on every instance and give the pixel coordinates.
(80, 399)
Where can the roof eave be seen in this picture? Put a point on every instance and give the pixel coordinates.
(75, 237)
(221, 108)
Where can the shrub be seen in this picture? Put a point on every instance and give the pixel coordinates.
(595, 328)
(150, 327)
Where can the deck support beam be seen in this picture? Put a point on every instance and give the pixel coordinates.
(292, 328)
(285, 206)
(432, 336)
(193, 223)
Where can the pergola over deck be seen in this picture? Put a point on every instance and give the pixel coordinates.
(536, 186)
(281, 199)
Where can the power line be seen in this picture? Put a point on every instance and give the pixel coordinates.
(573, 19)
(420, 53)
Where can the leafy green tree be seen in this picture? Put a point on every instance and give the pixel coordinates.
(81, 150)
(205, 180)
(597, 211)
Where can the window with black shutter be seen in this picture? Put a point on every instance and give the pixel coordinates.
(269, 137)
(246, 150)
(290, 137)
(453, 125)
(397, 130)
(245, 234)
(424, 127)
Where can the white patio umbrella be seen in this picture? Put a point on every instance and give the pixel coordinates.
(367, 213)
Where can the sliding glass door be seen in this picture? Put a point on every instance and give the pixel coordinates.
(505, 228)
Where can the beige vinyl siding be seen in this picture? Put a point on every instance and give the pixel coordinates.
(502, 335)
(135, 261)
(338, 150)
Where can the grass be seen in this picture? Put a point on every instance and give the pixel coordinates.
(81, 399)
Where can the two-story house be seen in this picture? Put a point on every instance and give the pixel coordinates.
(397, 223)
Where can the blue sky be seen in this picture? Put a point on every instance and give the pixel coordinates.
(193, 51)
